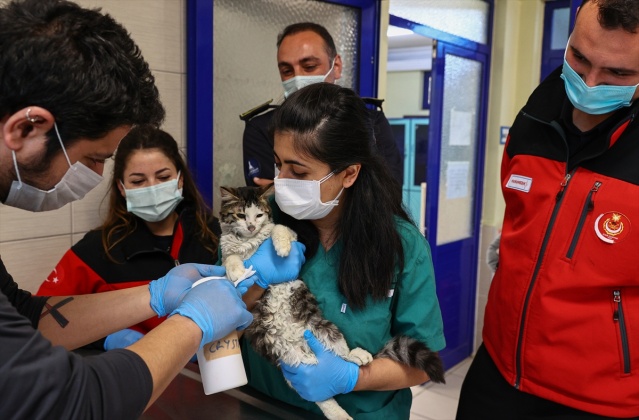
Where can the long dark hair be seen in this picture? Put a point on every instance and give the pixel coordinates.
(119, 222)
(331, 124)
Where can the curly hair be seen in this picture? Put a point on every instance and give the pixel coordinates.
(79, 64)
(614, 14)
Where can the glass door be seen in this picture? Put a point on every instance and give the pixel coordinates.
(451, 163)
(455, 166)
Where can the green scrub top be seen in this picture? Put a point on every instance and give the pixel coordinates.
(412, 309)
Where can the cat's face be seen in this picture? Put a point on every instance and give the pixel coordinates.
(244, 210)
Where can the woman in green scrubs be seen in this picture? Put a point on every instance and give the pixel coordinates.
(367, 264)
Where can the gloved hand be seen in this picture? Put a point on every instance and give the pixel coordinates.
(331, 375)
(246, 284)
(121, 339)
(216, 307)
(270, 268)
(167, 292)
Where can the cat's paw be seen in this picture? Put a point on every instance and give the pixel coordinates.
(359, 356)
(235, 274)
(332, 410)
(234, 268)
(282, 237)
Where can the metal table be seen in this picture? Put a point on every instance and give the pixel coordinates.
(184, 398)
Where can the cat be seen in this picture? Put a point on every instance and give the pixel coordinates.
(287, 309)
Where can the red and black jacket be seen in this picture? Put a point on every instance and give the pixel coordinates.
(85, 268)
(562, 318)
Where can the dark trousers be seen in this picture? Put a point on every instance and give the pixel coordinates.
(485, 395)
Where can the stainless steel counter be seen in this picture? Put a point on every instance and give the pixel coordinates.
(185, 399)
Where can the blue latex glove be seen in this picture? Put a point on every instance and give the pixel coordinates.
(121, 339)
(216, 307)
(331, 375)
(270, 268)
(246, 284)
(167, 292)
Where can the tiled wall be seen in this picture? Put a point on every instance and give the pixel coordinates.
(32, 243)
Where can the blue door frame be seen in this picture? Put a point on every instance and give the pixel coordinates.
(456, 277)
(551, 59)
(199, 80)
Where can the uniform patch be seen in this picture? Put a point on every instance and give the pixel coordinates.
(612, 227)
(253, 168)
(519, 182)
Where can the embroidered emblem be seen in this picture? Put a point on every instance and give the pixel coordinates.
(519, 182)
(612, 227)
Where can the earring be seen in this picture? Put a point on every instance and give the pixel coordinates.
(31, 119)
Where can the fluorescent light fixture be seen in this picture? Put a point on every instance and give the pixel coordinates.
(397, 31)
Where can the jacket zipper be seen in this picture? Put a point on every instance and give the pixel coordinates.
(540, 259)
(542, 251)
(619, 319)
(588, 206)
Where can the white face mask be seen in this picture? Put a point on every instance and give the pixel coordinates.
(154, 203)
(301, 199)
(75, 184)
(298, 82)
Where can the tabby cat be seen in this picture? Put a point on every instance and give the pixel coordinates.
(285, 310)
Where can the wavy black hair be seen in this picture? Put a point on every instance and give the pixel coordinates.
(79, 64)
(331, 124)
(614, 14)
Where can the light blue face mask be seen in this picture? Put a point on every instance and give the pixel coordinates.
(595, 100)
(154, 203)
(298, 82)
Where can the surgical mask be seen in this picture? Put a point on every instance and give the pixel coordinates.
(75, 184)
(154, 203)
(301, 199)
(595, 100)
(298, 82)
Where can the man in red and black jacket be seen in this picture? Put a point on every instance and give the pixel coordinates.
(561, 331)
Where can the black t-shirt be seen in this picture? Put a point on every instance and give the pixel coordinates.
(582, 145)
(41, 381)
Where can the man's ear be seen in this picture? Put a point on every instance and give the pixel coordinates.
(350, 174)
(28, 123)
(337, 67)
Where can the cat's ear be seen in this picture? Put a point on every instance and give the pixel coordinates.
(267, 190)
(228, 194)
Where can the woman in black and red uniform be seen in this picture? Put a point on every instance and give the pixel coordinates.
(156, 220)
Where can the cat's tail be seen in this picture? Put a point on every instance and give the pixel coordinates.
(416, 354)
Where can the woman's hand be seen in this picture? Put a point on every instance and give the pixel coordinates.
(121, 339)
(331, 375)
(270, 268)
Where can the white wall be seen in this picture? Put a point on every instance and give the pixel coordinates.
(404, 94)
(515, 72)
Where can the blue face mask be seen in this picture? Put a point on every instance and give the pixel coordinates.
(595, 100)
(298, 82)
(154, 203)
